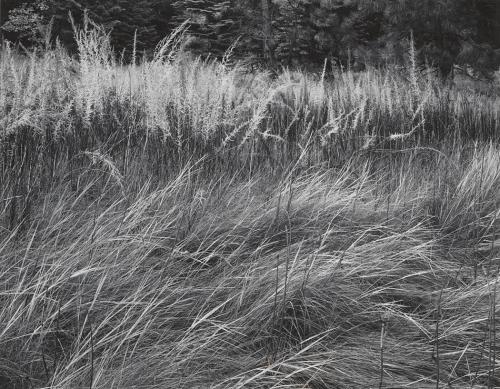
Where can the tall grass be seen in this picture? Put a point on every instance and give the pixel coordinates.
(183, 223)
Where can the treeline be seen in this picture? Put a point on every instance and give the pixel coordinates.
(297, 33)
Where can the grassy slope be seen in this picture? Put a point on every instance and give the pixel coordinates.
(183, 224)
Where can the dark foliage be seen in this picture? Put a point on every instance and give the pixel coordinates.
(298, 33)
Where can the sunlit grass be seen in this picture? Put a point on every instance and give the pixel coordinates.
(183, 223)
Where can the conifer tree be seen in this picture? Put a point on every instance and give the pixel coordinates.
(446, 32)
(213, 25)
(149, 18)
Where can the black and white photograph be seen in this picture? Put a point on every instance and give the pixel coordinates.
(249, 194)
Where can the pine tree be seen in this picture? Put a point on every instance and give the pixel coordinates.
(446, 32)
(149, 18)
(213, 25)
(311, 30)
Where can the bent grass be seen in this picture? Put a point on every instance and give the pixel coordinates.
(180, 223)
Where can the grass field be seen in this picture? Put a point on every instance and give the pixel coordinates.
(179, 223)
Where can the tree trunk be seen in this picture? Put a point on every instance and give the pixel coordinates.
(268, 41)
(497, 23)
(1, 20)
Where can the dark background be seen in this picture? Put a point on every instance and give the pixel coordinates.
(295, 33)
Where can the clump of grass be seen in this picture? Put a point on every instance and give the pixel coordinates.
(225, 284)
(178, 222)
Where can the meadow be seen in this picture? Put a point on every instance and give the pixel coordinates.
(183, 223)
